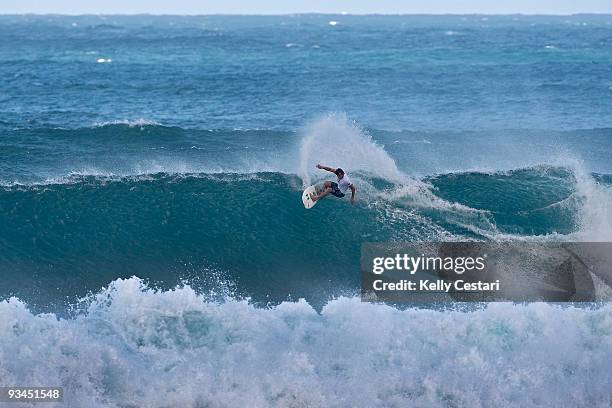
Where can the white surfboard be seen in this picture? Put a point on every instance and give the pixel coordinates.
(308, 203)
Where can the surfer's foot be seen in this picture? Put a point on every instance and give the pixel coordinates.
(313, 197)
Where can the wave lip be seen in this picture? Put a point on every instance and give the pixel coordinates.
(135, 346)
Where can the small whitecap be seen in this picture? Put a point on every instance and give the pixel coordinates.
(292, 45)
(316, 46)
(103, 60)
(74, 24)
(333, 23)
(131, 123)
(451, 32)
(344, 13)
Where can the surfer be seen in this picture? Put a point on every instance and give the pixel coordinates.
(335, 188)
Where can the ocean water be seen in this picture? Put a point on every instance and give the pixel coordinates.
(154, 250)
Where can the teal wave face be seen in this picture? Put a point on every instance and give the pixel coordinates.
(536, 201)
(252, 228)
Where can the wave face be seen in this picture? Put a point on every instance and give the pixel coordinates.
(139, 347)
(169, 204)
(79, 235)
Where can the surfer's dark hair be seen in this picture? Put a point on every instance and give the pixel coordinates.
(339, 171)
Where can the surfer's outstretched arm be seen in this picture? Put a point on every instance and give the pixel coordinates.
(353, 189)
(322, 167)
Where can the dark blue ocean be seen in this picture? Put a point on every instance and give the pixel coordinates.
(154, 250)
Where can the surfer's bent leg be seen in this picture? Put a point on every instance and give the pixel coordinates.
(327, 189)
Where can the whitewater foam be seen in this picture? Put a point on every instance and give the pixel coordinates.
(595, 215)
(134, 346)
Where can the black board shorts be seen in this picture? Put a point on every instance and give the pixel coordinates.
(336, 191)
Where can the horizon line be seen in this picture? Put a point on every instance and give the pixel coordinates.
(307, 13)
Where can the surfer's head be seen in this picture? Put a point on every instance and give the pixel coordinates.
(339, 172)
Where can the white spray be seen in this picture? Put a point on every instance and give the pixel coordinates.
(335, 141)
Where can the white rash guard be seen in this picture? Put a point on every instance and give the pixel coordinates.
(344, 183)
